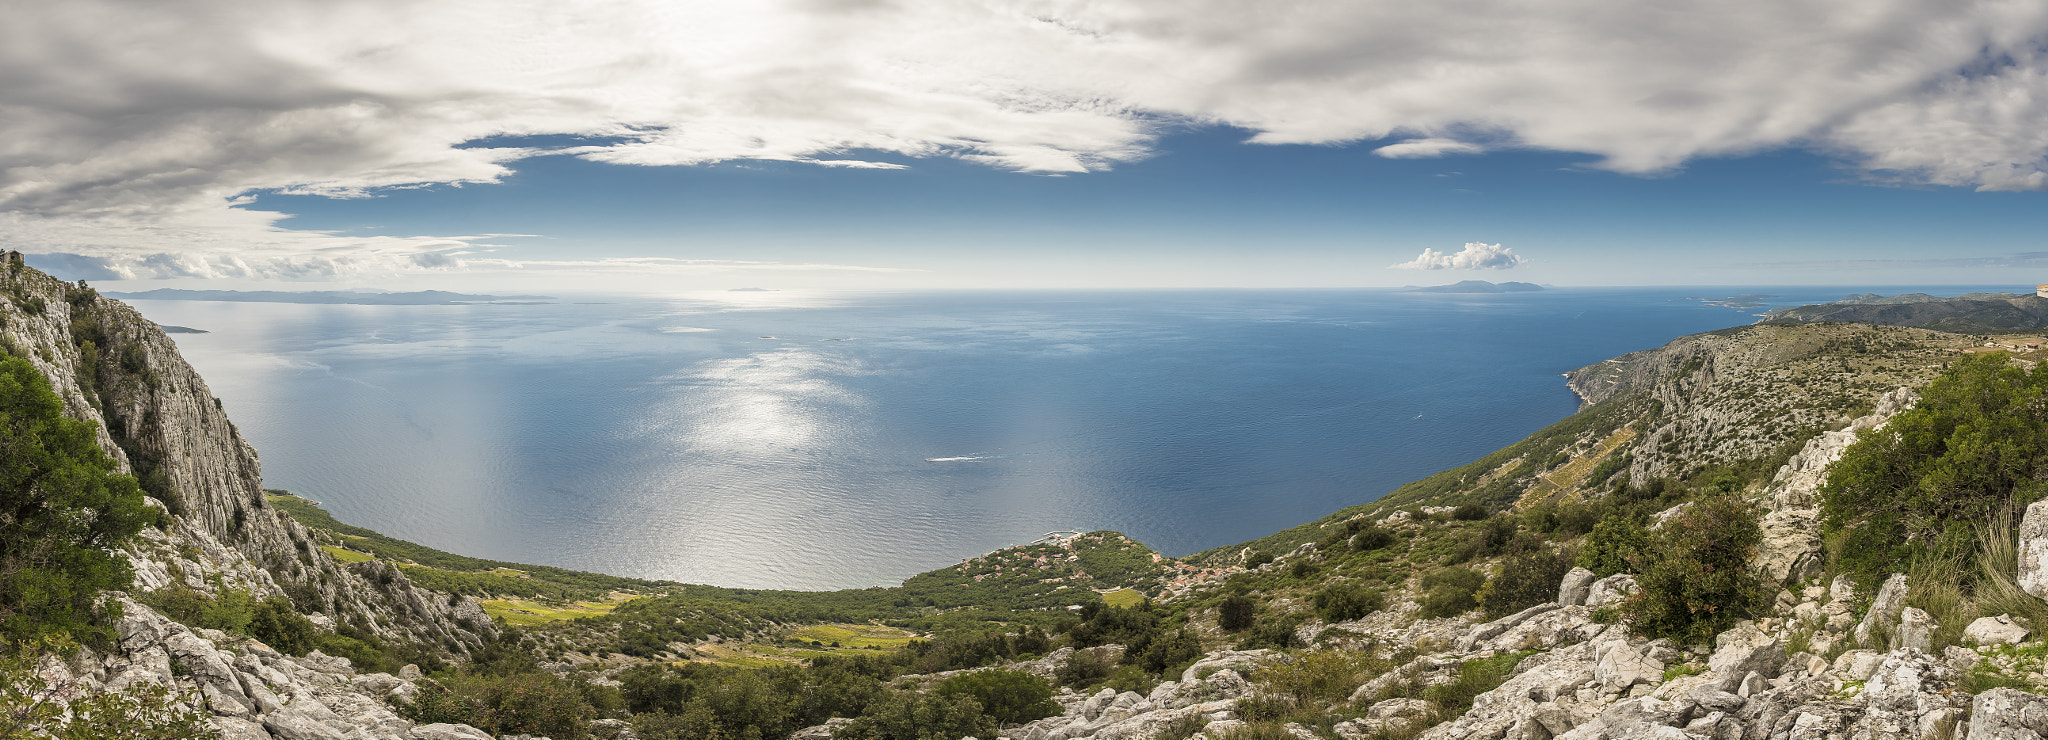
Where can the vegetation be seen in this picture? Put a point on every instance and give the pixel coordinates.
(33, 706)
(1973, 450)
(1694, 572)
(65, 511)
(443, 571)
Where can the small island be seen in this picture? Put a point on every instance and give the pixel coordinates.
(1479, 286)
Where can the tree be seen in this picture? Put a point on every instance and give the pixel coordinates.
(63, 512)
(1343, 602)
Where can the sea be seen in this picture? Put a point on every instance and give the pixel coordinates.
(799, 440)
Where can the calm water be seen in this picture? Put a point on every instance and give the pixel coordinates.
(814, 441)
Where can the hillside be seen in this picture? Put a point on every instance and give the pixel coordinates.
(1974, 313)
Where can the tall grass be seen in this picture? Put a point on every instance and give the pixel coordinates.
(1998, 588)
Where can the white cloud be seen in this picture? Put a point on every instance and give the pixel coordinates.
(1475, 256)
(1426, 148)
(125, 124)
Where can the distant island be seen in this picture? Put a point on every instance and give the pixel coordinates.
(416, 298)
(1480, 286)
(169, 329)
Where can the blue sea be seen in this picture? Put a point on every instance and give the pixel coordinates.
(818, 441)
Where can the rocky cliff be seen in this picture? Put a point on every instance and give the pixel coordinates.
(157, 418)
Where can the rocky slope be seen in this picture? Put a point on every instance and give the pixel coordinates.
(159, 421)
(1814, 669)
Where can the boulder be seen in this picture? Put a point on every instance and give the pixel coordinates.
(445, 731)
(1577, 585)
(1743, 650)
(294, 723)
(818, 732)
(1998, 630)
(2008, 714)
(1610, 590)
(1857, 665)
(1791, 547)
(1619, 666)
(1916, 630)
(2033, 570)
(1884, 610)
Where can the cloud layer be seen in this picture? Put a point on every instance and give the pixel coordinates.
(1475, 256)
(123, 124)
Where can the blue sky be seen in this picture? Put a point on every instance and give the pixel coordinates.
(660, 147)
(1208, 209)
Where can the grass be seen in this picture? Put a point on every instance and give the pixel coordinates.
(860, 636)
(347, 556)
(521, 612)
(1123, 598)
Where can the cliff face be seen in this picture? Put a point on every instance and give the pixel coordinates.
(158, 419)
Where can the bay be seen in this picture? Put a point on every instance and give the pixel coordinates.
(816, 441)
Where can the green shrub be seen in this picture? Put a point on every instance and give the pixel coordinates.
(1451, 591)
(1475, 677)
(228, 609)
(1695, 578)
(1236, 612)
(1470, 513)
(1975, 445)
(1611, 544)
(1372, 537)
(527, 703)
(68, 513)
(1343, 602)
(1084, 667)
(909, 716)
(1011, 697)
(277, 624)
(1525, 580)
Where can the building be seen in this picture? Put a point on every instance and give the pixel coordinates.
(2041, 290)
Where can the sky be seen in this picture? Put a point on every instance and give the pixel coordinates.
(659, 147)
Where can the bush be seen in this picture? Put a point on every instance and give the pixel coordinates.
(1165, 651)
(1257, 558)
(1011, 697)
(1470, 513)
(1236, 612)
(1695, 578)
(68, 513)
(1451, 591)
(1611, 544)
(1976, 444)
(1084, 668)
(277, 624)
(908, 716)
(1525, 580)
(1343, 602)
(1372, 537)
(528, 703)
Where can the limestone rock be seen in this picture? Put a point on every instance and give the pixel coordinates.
(1577, 584)
(2033, 566)
(1884, 611)
(1791, 547)
(816, 732)
(1916, 630)
(1620, 667)
(2008, 714)
(1610, 590)
(1742, 650)
(444, 731)
(1998, 630)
